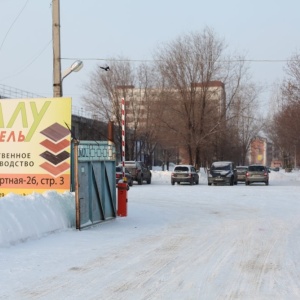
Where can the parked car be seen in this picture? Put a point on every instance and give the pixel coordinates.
(184, 173)
(257, 173)
(139, 172)
(241, 173)
(119, 175)
(222, 172)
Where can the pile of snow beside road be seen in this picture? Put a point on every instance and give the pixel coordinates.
(35, 215)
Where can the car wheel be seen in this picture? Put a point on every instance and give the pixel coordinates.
(197, 182)
(209, 183)
(172, 182)
(231, 181)
(130, 183)
(178, 182)
(192, 182)
(140, 181)
(149, 181)
(267, 182)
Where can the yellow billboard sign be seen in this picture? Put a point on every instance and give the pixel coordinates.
(35, 145)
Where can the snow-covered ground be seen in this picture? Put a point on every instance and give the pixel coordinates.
(177, 242)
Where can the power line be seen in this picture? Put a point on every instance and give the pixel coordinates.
(30, 63)
(13, 24)
(110, 59)
(153, 60)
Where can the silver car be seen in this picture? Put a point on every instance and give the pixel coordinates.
(257, 173)
(184, 173)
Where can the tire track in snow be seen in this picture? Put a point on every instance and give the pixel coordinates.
(260, 262)
(226, 253)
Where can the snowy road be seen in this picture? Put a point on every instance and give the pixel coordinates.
(178, 242)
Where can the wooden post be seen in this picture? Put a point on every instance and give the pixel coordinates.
(110, 133)
(77, 201)
(57, 85)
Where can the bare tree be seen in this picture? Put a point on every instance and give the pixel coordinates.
(183, 102)
(291, 85)
(285, 125)
(244, 121)
(188, 65)
(144, 111)
(105, 91)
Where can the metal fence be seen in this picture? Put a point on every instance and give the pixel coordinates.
(96, 183)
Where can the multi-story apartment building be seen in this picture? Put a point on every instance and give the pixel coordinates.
(138, 101)
(258, 151)
(214, 93)
(142, 105)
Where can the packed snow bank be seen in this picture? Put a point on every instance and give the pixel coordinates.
(35, 215)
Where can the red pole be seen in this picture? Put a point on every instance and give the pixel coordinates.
(122, 186)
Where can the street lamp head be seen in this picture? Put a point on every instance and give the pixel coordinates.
(76, 66)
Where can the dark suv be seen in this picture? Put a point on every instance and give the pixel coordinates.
(138, 171)
(222, 172)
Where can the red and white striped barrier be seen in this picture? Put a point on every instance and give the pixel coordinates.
(123, 137)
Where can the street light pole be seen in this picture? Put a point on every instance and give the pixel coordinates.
(57, 84)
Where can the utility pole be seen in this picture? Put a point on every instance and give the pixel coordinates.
(57, 85)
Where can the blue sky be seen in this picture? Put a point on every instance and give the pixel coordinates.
(97, 29)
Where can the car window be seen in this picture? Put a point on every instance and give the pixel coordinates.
(257, 168)
(118, 169)
(220, 167)
(242, 168)
(181, 169)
